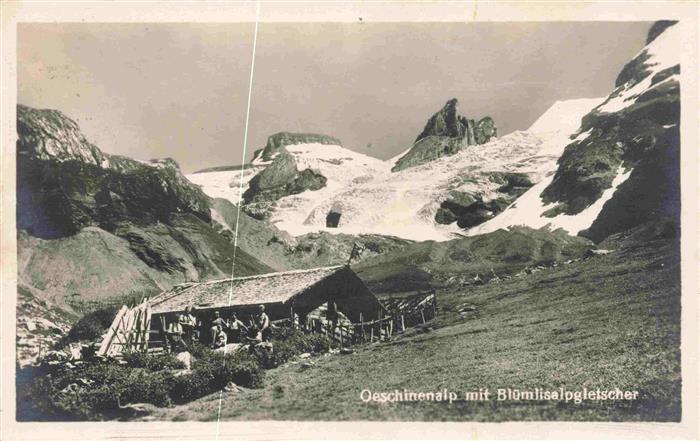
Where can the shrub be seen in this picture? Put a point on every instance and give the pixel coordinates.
(150, 362)
(92, 325)
(143, 386)
(213, 370)
(82, 393)
(94, 391)
(288, 343)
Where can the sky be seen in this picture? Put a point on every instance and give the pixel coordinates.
(180, 90)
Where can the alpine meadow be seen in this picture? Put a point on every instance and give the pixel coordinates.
(494, 268)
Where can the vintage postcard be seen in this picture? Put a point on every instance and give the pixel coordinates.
(259, 220)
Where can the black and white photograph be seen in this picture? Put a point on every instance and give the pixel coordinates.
(367, 221)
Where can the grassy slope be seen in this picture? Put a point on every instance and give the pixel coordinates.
(610, 321)
(424, 265)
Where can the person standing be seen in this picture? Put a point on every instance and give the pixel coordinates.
(188, 322)
(219, 337)
(237, 328)
(332, 316)
(173, 334)
(217, 325)
(262, 323)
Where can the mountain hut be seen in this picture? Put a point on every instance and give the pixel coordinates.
(282, 293)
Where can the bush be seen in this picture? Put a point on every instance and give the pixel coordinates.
(92, 325)
(213, 370)
(152, 363)
(82, 393)
(288, 343)
(95, 391)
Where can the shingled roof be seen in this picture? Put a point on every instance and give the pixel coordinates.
(240, 291)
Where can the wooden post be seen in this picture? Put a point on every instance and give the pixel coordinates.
(164, 336)
(403, 325)
(147, 326)
(391, 326)
(371, 334)
(362, 329)
(422, 315)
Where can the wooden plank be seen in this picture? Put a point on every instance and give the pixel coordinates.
(112, 333)
(147, 325)
(133, 331)
(118, 337)
(112, 329)
(122, 332)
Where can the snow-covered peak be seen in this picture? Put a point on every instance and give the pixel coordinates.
(320, 156)
(560, 122)
(564, 116)
(660, 54)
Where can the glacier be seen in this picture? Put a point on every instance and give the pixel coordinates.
(372, 199)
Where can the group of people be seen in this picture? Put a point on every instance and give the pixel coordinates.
(215, 330)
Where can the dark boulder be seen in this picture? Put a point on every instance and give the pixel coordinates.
(333, 219)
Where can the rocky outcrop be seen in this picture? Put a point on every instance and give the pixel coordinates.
(279, 140)
(657, 28)
(95, 225)
(469, 210)
(50, 135)
(64, 183)
(636, 128)
(445, 134)
(282, 178)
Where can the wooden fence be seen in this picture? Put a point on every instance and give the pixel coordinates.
(401, 314)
